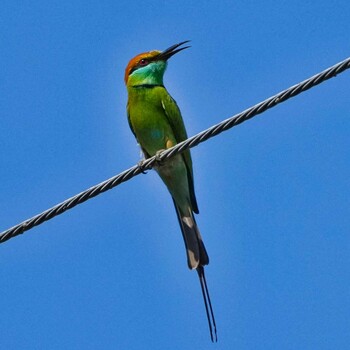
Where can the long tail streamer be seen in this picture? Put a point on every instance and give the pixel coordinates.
(207, 303)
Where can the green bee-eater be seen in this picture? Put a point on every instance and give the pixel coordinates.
(156, 122)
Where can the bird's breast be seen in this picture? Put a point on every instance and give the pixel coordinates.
(151, 129)
(148, 119)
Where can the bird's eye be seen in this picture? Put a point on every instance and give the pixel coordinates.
(143, 62)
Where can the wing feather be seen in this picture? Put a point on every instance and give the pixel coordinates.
(173, 115)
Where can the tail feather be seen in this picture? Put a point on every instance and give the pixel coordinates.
(195, 249)
(207, 303)
(197, 257)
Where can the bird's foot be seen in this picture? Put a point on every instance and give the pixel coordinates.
(140, 164)
(159, 160)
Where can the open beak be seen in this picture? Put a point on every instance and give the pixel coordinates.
(172, 50)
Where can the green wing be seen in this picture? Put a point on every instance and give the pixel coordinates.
(133, 131)
(173, 115)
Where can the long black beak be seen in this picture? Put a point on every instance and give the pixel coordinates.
(172, 50)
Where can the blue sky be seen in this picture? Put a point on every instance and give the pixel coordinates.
(273, 193)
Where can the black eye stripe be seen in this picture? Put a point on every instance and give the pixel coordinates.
(142, 63)
(133, 69)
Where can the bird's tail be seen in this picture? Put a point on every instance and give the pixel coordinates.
(195, 249)
(207, 303)
(197, 257)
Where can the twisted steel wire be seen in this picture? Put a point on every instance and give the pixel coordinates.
(180, 147)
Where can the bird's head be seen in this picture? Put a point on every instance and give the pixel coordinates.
(149, 67)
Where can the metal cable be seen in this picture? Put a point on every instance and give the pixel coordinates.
(180, 147)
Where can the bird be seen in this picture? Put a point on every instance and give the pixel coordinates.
(156, 122)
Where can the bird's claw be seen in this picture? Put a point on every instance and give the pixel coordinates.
(158, 159)
(140, 164)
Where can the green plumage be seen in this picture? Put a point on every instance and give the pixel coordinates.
(157, 124)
